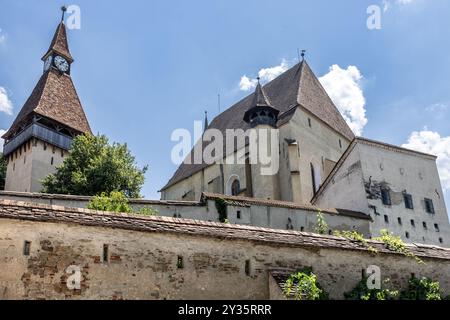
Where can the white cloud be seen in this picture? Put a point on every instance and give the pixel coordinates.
(6, 105)
(432, 142)
(437, 107)
(344, 88)
(388, 3)
(2, 132)
(266, 75)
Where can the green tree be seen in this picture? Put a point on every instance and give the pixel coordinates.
(114, 202)
(362, 292)
(94, 166)
(2, 171)
(117, 202)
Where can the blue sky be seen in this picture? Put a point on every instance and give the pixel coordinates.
(145, 68)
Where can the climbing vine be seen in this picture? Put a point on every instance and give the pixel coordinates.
(396, 244)
(421, 289)
(303, 285)
(221, 206)
(362, 292)
(321, 225)
(355, 236)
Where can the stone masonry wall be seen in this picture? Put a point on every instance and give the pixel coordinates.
(144, 254)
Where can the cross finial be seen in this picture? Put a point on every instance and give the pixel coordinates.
(303, 54)
(63, 9)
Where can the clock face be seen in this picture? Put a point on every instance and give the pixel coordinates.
(61, 64)
(48, 63)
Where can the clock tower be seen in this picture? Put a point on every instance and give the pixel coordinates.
(41, 135)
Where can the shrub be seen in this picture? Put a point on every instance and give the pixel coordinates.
(303, 285)
(114, 202)
(362, 292)
(421, 289)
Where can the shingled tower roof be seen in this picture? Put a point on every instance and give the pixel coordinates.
(298, 87)
(54, 96)
(59, 43)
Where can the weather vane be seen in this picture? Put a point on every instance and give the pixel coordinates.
(303, 54)
(63, 9)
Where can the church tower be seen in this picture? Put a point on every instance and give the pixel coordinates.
(40, 137)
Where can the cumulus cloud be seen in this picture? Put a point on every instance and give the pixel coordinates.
(6, 105)
(344, 88)
(266, 75)
(2, 132)
(431, 142)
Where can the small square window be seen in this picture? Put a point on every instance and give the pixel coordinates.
(408, 201)
(407, 234)
(429, 208)
(424, 225)
(413, 223)
(386, 219)
(436, 227)
(400, 221)
(441, 240)
(302, 229)
(386, 197)
(238, 214)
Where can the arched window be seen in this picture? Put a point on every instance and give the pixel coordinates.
(235, 188)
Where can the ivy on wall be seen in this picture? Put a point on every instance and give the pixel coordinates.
(221, 206)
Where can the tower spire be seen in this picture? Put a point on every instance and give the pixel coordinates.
(59, 44)
(206, 121)
(261, 112)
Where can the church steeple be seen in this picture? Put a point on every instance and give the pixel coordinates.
(261, 112)
(51, 117)
(58, 54)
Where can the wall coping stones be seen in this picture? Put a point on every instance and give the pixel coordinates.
(20, 210)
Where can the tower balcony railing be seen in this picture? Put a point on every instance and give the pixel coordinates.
(40, 132)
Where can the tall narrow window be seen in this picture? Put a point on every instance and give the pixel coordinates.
(386, 219)
(436, 227)
(386, 197)
(105, 253)
(408, 201)
(407, 235)
(247, 267)
(424, 225)
(315, 178)
(26, 248)
(180, 262)
(429, 208)
(309, 122)
(340, 143)
(400, 221)
(413, 224)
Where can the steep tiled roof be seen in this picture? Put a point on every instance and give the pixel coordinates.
(56, 214)
(59, 43)
(53, 97)
(297, 87)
